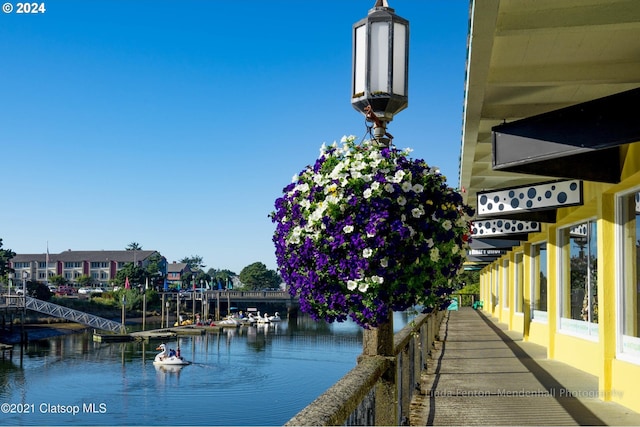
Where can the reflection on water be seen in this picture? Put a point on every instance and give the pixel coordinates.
(260, 375)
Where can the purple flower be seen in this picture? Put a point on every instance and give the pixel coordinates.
(339, 228)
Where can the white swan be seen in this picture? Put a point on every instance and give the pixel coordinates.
(163, 358)
(275, 318)
(263, 319)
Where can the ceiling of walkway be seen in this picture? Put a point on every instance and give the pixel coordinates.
(528, 57)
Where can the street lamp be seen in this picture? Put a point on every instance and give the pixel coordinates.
(124, 305)
(11, 276)
(379, 90)
(25, 276)
(168, 305)
(380, 68)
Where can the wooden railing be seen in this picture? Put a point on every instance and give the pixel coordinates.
(379, 390)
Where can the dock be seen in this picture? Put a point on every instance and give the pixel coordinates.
(155, 334)
(6, 348)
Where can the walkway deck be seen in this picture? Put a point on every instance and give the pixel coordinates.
(483, 374)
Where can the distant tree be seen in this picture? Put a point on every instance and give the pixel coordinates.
(5, 257)
(156, 269)
(194, 262)
(84, 281)
(136, 274)
(38, 290)
(256, 276)
(58, 280)
(220, 277)
(133, 246)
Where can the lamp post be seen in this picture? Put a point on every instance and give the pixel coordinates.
(144, 304)
(379, 91)
(380, 68)
(11, 277)
(25, 275)
(168, 305)
(124, 304)
(178, 309)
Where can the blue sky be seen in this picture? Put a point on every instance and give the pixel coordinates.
(176, 124)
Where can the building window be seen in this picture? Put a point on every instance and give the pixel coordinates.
(539, 281)
(628, 259)
(578, 293)
(505, 284)
(518, 277)
(72, 264)
(98, 264)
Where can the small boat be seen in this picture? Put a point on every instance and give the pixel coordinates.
(263, 319)
(275, 318)
(165, 358)
(229, 322)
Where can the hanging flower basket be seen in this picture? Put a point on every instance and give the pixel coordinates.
(366, 231)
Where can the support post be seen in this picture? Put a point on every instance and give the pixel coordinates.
(379, 342)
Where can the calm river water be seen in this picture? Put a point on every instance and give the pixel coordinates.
(260, 375)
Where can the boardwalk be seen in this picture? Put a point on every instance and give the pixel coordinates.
(483, 374)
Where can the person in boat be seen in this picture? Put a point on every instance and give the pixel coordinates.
(172, 352)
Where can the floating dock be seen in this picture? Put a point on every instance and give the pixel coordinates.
(155, 334)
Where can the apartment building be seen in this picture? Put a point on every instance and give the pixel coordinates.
(101, 266)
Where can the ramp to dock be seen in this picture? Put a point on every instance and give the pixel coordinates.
(73, 315)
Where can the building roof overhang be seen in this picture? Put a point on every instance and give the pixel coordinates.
(529, 63)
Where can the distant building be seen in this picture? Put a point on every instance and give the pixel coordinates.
(101, 266)
(175, 273)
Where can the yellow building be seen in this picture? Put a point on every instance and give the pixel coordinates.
(550, 159)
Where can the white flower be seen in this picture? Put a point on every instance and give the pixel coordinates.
(347, 229)
(384, 262)
(434, 254)
(375, 186)
(363, 286)
(455, 249)
(397, 178)
(417, 212)
(402, 201)
(367, 252)
(352, 285)
(447, 225)
(388, 188)
(377, 279)
(366, 193)
(406, 186)
(418, 188)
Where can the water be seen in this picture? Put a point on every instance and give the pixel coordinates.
(260, 375)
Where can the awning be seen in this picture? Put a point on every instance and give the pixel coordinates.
(503, 228)
(485, 251)
(582, 141)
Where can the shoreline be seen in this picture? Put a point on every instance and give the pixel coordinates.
(40, 331)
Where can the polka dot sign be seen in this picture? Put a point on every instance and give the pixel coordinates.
(532, 197)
